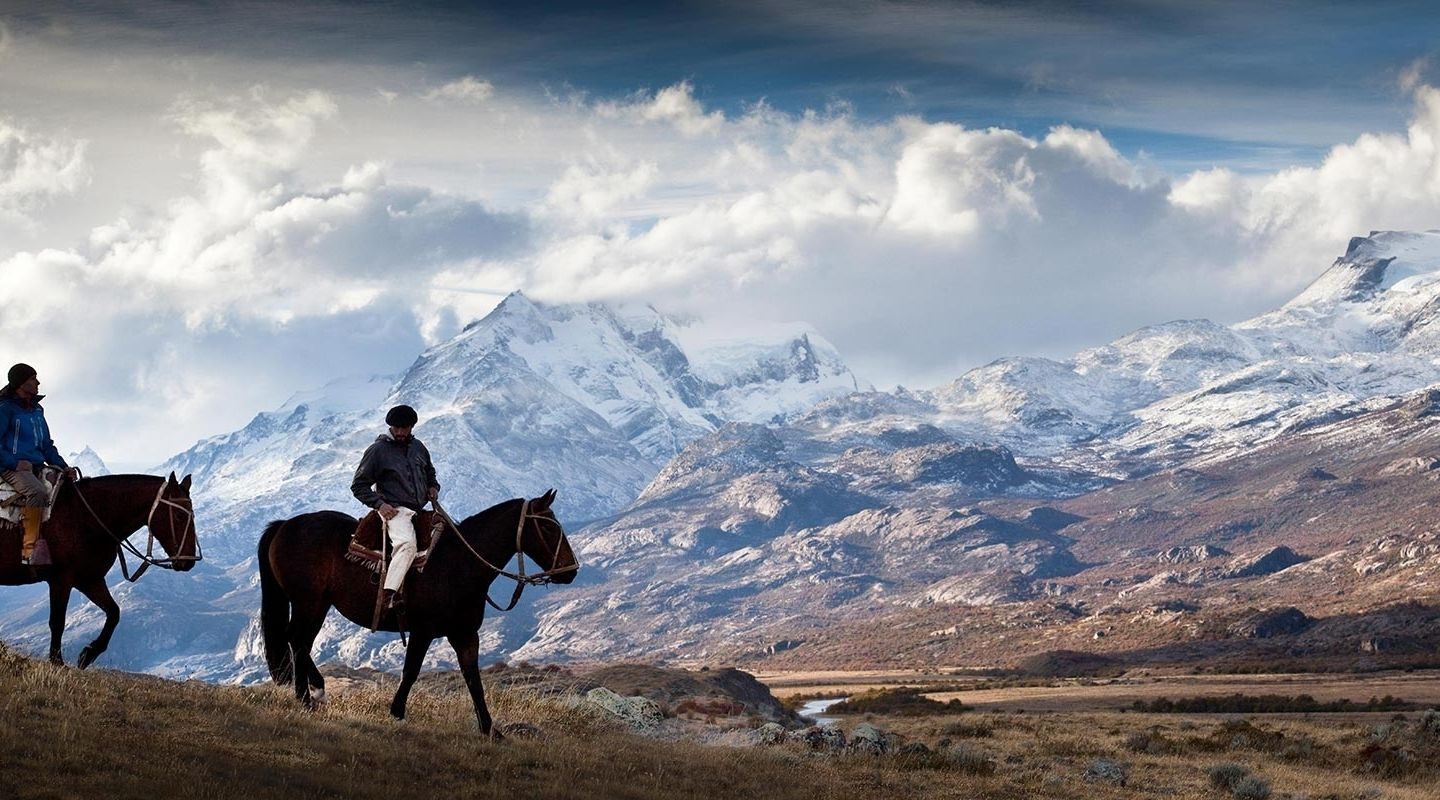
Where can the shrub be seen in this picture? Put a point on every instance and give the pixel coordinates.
(1227, 776)
(1153, 743)
(1251, 788)
(905, 701)
(1266, 704)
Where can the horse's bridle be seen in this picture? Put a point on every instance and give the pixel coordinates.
(186, 507)
(147, 558)
(521, 578)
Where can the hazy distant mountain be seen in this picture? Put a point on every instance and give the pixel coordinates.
(88, 462)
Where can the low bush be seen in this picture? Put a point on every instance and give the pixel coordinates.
(1251, 788)
(1265, 704)
(905, 702)
(1227, 776)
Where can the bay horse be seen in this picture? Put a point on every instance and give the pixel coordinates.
(304, 572)
(90, 522)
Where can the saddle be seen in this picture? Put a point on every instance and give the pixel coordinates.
(11, 501)
(369, 549)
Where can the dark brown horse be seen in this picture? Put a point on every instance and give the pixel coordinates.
(89, 525)
(304, 571)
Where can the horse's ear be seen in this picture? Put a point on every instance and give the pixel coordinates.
(172, 477)
(542, 503)
(185, 484)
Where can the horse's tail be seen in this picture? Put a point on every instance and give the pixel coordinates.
(274, 612)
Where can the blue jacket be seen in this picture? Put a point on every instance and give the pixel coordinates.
(24, 436)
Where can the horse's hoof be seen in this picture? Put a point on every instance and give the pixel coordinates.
(57, 659)
(317, 696)
(86, 658)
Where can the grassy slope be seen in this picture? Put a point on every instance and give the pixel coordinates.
(116, 735)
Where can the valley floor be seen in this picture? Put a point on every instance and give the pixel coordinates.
(1420, 687)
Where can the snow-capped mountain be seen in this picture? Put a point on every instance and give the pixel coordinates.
(1367, 327)
(865, 502)
(589, 399)
(88, 462)
(758, 465)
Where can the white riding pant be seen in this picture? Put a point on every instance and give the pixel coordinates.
(401, 530)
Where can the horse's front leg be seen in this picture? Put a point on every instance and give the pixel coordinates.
(467, 652)
(59, 604)
(99, 594)
(414, 659)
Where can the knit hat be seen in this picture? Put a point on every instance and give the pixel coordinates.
(402, 417)
(20, 373)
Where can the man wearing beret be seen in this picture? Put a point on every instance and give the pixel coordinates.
(396, 478)
(25, 448)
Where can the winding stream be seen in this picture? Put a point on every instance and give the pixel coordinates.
(814, 708)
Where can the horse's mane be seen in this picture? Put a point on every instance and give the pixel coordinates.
(476, 523)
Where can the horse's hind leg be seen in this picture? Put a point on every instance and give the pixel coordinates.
(99, 594)
(414, 659)
(59, 604)
(304, 627)
(467, 652)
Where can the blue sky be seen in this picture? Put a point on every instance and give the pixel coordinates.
(242, 200)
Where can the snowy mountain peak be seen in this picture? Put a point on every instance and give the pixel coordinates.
(1384, 260)
(89, 463)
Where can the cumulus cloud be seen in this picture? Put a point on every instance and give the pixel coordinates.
(35, 169)
(674, 105)
(235, 292)
(468, 89)
(920, 248)
(924, 247)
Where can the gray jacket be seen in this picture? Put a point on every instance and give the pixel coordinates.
(394, 473)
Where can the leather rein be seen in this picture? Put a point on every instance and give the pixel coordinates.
(521, 578)
(147, 558)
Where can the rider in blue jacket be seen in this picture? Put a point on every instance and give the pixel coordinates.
(26, 447)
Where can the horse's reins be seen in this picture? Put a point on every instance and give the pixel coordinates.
(521, 578)
(147, 558)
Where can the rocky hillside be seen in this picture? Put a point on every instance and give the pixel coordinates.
(749, 496)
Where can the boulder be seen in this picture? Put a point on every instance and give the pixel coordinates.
(818, 737)
(1271, 623)
(1108, 771)
(1265, 563)
(640, 713)
(770, 733)
(1187, 555)
(867, 738)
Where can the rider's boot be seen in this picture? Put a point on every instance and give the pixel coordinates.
(393, 599)
(32, 516)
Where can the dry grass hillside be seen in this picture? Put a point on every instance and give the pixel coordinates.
(116, 735)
